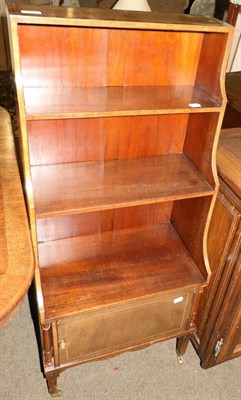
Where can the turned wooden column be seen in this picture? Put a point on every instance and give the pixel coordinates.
(47, 344)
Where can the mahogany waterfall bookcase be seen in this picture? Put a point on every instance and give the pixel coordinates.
(120, 114)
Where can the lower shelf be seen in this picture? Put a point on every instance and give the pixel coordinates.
(95, 271)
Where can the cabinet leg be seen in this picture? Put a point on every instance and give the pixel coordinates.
(51, 379)
(182, 344)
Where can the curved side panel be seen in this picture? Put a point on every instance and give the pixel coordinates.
(213, 59)
(24, 149)
(189, 218)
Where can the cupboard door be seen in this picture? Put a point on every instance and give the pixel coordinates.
(225, 342)
(100, 333)
(222, 232)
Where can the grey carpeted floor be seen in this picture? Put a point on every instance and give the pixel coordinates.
(149, 374)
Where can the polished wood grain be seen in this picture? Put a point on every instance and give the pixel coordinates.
(99, 333)
(214, 51)
(232, 118)
(228, 318)
(219, 312)
(144, 136)
(192, 229)
(137, 61)
(61, 227)
(198, 146)
(16, 266)
(231, 195)
(223, 226)
(229, 160)
(104, 202)
(58, 141)
(95, 271)
(57, 103)
(111, 18)
(147, 215)
(225, 311)
(233, 84)
(232, 344)
(62, 48)
(81, 187)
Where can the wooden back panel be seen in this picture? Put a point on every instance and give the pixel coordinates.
(75, 57)
(152, 57)
(66, 140)
(61, 141)
(62, 57)
(96, 222)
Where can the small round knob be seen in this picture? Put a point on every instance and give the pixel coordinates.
(62, 345)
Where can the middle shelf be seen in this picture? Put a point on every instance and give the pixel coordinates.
(83, 102)
(72, 188)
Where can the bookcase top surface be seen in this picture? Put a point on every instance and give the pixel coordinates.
(49, 15)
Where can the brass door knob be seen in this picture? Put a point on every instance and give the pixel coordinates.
(62, 345)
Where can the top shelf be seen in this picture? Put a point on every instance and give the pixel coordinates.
(113, 18)
(87, 102)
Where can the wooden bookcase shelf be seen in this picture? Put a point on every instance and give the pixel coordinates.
(114, 183)
(120, 116)
(90, 102)
(117, 263)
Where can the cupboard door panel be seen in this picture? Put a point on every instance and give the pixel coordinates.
(101, 333)
(223, 227)
(227, 326)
